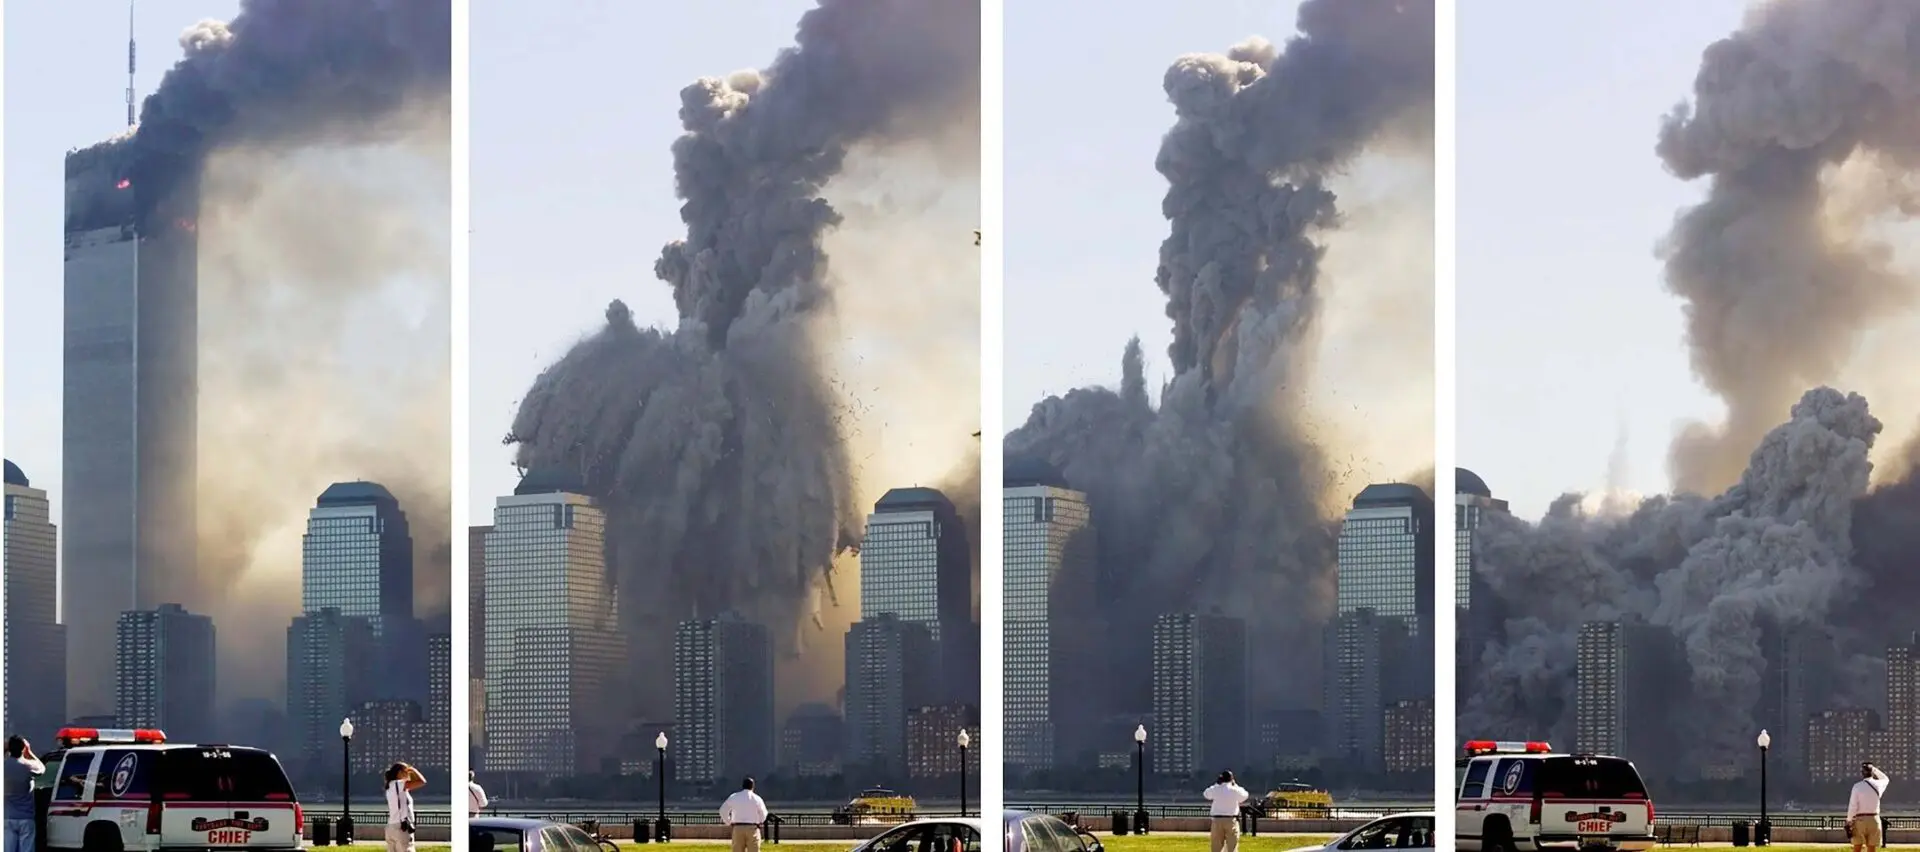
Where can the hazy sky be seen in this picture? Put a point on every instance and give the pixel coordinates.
(1567, 336)
(66, 70)
(573, 179)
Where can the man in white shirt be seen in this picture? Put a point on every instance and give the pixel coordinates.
(1863, 808)
(1224, 799)
(476, 796)
(743, 813)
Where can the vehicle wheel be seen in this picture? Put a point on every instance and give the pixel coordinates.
(101, 837)
(609, 845)
(1499, 837)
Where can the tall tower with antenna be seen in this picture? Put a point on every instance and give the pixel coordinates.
(130, 56)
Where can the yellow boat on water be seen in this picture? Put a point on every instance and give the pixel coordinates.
(1297, 800)
(876, 806)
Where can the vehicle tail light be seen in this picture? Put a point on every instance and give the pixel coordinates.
(299, 820)
(153, 817)
(1533, 813)
(1649, 813)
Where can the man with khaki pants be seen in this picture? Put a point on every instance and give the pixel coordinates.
(743, 813)
(1863, 808)
(1224, 799)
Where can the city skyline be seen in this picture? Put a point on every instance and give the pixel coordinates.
(912, 658)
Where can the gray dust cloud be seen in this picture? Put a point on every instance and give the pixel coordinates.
(1223, 494)
(731, 451)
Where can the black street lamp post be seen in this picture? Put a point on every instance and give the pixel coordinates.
(964, 741)
(344, 836)
(1140, 780)
(1763, 833)
(663, 832)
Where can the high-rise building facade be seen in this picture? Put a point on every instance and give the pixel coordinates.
(933, 741)
(388, 731)
(477, 601)
(130, 387)
(1475, 621)
(1379, 646)
(553, 636)
(1199, 692)
(916, 565)
(722, 699)
(436, 740)
(1047, 527)
(1838, 741)
(811, 742)
(357, 555)
(36, 662)
(165, 671)
(1407, 736)
(1600, 655)
(1628, 678)
(886, 676)
(326, 679)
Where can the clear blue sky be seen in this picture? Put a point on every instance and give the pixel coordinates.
(66, 68)
(572, 178)
(1566, 333)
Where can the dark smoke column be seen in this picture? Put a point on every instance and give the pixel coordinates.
(717, 447)
(284, 74)
(1215, 498)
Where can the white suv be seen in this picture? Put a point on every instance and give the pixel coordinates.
(1515, 797)
(116, 790)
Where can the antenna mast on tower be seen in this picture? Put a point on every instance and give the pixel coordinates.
(130, 63)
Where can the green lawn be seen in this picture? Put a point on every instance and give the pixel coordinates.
(1198, 842)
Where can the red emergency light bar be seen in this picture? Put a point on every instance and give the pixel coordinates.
(70, 737)
(1478, 747)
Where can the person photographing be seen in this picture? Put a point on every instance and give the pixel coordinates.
(743, 813)
(22, 768)
(1224, 799)
(402, 780)
(1863, 808)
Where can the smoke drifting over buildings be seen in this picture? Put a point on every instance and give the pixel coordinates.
(1219, 496)
(723, 449)
(1781, 268)
(296, 156)
(1803, 540)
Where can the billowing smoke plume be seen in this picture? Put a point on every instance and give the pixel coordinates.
(1782, 275)
(1773, 562)
(304, 147)
(1788, 582)
(723, 449)
(1219, 497)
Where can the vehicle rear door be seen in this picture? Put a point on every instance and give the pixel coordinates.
(225, 797)
(70, 809)
(1470, 811)
(1598, 799)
